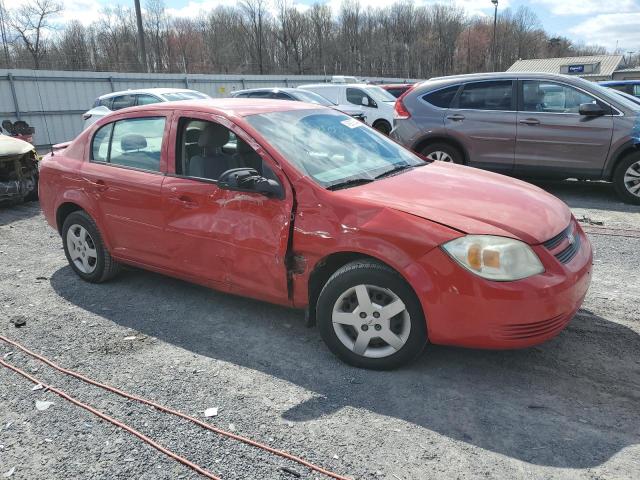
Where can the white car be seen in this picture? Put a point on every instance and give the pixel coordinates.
(111, 102)
(374, 102)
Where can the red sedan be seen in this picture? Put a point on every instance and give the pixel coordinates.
(303, 206)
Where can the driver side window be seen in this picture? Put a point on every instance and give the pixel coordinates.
(552, 97)
(357, 97)
(207, 149)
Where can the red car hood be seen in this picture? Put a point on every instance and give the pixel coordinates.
(470, 200)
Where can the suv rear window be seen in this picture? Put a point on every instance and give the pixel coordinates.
(441, 98)
(495, 95)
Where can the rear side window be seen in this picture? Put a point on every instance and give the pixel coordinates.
(135, 143)
(259, 94)
(147, 100)
(282, 96)
(496, 95)
(105, 102)
(123, 101)
(441, 98)
(636, 90)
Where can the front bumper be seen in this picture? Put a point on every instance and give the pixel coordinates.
(463, 309)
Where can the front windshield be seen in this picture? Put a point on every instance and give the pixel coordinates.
(380, 94)
(330, 147)
(311, 97)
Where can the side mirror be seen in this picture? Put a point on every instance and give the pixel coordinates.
(365, 101)
(591, 110)
(247, 179)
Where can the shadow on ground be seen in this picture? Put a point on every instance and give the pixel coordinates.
(10, 213)
(584, 194)
(572, 402)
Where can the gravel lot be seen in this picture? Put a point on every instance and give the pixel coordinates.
(567, 409)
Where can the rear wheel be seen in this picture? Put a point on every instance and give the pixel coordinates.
(626, 178)
(85, 249)
(442, 152)
(370, 317)
(382, 126)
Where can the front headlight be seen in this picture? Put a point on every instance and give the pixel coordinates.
(495, 258)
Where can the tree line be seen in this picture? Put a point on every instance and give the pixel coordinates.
(259, 37)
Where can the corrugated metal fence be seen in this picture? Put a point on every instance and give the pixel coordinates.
(53, 101)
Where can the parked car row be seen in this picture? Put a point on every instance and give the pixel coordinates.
(299, 95)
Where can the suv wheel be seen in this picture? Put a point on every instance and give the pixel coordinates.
(370, 317)
(85, 250)
(626, 179)
(442, 152)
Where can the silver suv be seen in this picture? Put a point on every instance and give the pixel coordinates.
(525, 124)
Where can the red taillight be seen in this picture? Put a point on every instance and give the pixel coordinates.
(400, 112)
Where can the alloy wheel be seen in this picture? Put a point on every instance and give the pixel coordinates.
(371, 321)
(632, 179)
(82, 249)
(440, 156)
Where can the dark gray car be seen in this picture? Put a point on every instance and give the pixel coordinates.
(525, 124)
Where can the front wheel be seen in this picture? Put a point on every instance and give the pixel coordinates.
(370, 317)
(626, 179)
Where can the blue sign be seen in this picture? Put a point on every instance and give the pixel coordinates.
(576, 68)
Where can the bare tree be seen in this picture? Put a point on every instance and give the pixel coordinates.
(254, 23)
(403, 40)
(31, 21)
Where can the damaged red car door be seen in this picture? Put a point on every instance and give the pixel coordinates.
(236, 240)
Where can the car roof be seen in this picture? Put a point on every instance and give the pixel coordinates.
(229, 106)
(338, 85)
(620, 82)
(268, 89)
(152, 91)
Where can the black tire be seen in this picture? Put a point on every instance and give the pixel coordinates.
(453, 153)
(382, 126)
(105, 266)
(370, 272)
(32, 196)
(621, 187)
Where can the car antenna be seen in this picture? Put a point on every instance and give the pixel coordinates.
(44, 117)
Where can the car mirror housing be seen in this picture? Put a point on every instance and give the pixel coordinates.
(591, 110)
(249, 180)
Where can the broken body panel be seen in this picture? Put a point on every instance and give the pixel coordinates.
(18, 169)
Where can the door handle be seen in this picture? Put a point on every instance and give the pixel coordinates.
(530, 121)
(456, 117)
(183, 201)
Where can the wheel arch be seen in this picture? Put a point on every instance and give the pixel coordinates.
(331, 263)
(63, 211)
(424, 141)
(619, 155)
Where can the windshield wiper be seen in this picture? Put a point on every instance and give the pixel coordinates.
(397, 169)
(349, 183)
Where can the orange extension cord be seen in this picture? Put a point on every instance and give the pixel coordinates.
(157, 406)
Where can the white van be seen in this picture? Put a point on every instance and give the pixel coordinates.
(374, 102)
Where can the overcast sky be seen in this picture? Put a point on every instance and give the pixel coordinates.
(609, 23)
